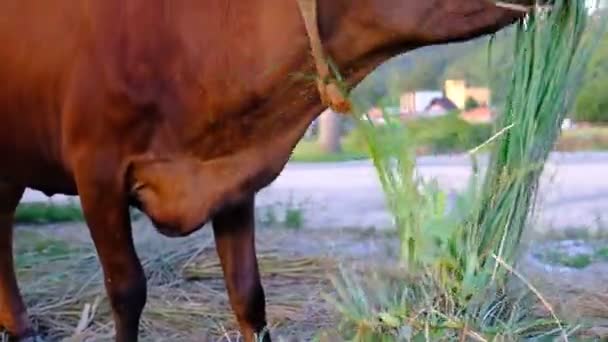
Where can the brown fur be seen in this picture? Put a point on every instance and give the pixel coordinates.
(183, 107)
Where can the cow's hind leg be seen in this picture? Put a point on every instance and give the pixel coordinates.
(234, 237)
(13, 314)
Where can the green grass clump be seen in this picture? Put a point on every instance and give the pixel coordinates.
(584, 139)
(459, 258)
(602, 254)
(45, 213)
(435, 135)
(287, 214)
(40, 213)
(444, 134)
(448, 133)
(311, 152)
(577, 261)
(38, 248)
(294, 218)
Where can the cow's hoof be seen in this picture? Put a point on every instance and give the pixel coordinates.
(32, 337)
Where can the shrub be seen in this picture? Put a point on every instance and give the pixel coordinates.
(44, 213)
(471, 103)
(436, 135)
(458, 260)
(448, 133)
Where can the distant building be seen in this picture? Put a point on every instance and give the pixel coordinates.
(459, 92)
(482, 114)
(415, 102)
(432, 103)
(453, 96)
(439, 106)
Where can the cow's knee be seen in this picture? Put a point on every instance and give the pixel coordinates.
(127, 298)
(13, 313)
(249, 305)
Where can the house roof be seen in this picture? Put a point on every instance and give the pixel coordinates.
(443, 102)
(422, 98)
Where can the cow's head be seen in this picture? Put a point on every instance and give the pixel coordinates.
(395, 26)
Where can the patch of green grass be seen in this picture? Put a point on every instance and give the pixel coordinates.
(578, 261)
(281, 215)
(593, 138)
(294, 218)
(311, 152)
(584, 233)
(448, 134)
(575, 233)
(35, 246)
(42, 249)
(267, 217)
(436, 135)
(45, 213)
(602, 254)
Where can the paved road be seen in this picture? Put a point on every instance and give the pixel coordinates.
(574, 190)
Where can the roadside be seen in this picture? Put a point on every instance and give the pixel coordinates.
(574, 191)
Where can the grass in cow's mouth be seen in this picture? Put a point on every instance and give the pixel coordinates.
(464, 287)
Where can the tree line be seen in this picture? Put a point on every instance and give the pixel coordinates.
(485, 61)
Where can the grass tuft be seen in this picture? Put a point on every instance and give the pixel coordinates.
(460, 252)
(48, 212)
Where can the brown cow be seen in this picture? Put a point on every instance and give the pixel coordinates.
(185, 108)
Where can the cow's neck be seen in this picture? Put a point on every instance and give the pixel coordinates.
(262, 67)
(247, 61)
(254, 107)
(353, 47)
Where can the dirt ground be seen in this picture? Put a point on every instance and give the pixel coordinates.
(60, 278)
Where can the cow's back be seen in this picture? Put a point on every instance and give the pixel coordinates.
(131, 77)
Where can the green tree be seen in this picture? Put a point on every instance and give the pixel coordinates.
(471, 103)
(592, 100)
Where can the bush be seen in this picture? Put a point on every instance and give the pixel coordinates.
(448, 133)
(40, 213)
(583, 139)
(444, 134)
(45, 213)
(471, 103)
(592, 105)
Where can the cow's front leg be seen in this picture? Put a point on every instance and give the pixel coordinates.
(234, 237)
(13, 314)
(107, 214)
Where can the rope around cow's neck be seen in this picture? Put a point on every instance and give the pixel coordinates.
(327, 85)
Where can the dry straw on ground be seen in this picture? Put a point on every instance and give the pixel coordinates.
(187, 301)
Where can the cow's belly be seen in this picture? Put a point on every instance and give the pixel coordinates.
(30, 152)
